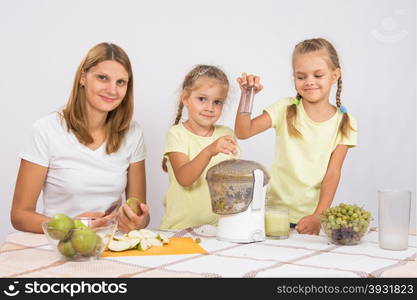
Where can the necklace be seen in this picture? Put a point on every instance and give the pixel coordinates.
(193, 131)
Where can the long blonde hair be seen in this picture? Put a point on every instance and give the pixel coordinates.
(118, 120)
(314, 45)
(188, 85)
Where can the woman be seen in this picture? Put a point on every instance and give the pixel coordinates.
(86, 156)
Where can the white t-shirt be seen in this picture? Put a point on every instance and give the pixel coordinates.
(80, 179)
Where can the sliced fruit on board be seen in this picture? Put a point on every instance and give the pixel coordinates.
(118, 245)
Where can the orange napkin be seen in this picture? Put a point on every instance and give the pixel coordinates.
(177, 245)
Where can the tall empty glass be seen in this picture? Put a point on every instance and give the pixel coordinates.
(393, 219)
(246, 100)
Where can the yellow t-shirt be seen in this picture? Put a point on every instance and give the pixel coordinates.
(190, 206)
(300, 164)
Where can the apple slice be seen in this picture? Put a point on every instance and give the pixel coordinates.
(135, 234)
(163, 238)
(118, 245)
(133, 242)
(147, 233)
(143, 245)
(123, 237)
(154, 242)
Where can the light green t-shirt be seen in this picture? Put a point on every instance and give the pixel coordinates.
(299, 165)
(190, 206)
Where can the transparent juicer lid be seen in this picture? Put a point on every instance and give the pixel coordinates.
(231, 185)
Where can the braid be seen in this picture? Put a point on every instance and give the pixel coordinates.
(338, 92)
(177, 120)
(345, 126)
(179, 113)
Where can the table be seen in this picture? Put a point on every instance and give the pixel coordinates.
(29, 255)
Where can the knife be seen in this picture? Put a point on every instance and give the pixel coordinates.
(113, 206)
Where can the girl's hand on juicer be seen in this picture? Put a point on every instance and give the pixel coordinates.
(246, 80)
(225, 144)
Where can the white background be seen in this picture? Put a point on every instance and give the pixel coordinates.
(42, 43)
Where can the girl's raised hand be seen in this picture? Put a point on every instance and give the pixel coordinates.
(246, 80)
(225, 144)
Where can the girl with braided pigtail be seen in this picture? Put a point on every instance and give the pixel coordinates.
(312, 135)
(193, 146)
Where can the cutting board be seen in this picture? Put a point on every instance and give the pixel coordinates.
(177, 245)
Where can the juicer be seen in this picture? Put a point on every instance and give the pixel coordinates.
(238, 195)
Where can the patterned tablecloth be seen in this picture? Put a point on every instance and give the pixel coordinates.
(29, 255)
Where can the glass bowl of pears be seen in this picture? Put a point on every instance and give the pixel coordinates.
(345, 224)
(79, 238)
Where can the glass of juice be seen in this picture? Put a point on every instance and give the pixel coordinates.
(277, 223)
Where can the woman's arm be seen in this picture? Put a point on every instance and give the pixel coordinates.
(188, 171)
(311, 224)
(136, 181)
(29, 182)
(136, 187)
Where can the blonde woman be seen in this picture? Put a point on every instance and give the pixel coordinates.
(85, 156)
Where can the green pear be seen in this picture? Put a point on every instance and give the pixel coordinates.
(78, 224)
(65, 248)
(84, 240)
(134, 204)
(99, 244)
(60, 226)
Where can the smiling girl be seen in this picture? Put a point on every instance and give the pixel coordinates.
(87, 155)
(312, 135)
(193, 146)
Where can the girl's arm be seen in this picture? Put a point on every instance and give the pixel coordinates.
(29, 182)
(311, 224)
(136, 187)
(244, 126)
(188, 171)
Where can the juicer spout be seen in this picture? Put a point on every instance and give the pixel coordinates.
(258, 184)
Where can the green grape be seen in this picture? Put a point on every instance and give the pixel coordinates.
(346, 223)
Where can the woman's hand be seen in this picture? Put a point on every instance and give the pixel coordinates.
(225, 144)
(99, 218)
(246, 80)
(128, 220)
(309, 225)
(91, 214)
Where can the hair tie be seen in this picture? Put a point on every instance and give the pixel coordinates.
(343, 109)
(202, 72)
(295, 101)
